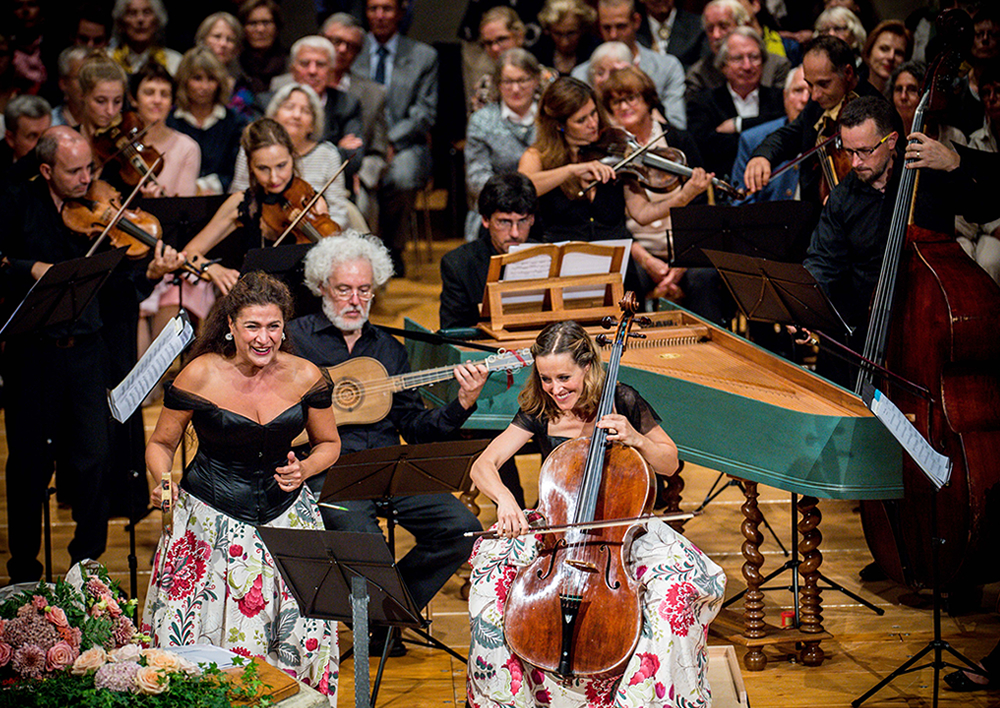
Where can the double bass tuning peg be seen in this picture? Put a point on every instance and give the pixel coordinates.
(608, 322)
(602, 340)
(643, 321)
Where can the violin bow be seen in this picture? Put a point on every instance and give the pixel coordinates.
(624, 161)
(796, 160)
(124, 206)
(607, 523)
(312, 202)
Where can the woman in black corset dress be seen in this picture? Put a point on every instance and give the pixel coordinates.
(569, 118)
(213, 580)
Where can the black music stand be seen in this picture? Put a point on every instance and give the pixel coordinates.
(182, 217)
(785, 293)
(285, 263)
(345, 577)
(59, 297)
(403, 470)
(777, 231)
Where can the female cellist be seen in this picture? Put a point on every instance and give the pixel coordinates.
(272, 169)
(681, 589)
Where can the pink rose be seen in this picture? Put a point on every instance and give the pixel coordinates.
(56, 616)
(236, 550)
(311, 644)
(151, 681)
(5, 653)
(59, 656)
(39, 602)
(90, 660)
(129, 652)
(253, 602)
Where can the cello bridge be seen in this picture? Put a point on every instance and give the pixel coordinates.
(582, 565)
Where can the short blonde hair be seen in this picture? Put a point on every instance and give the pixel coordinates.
(202, 60)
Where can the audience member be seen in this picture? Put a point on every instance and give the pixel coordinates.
(618, 21)
(26, 117)
(202, 94)
(567, 35)
(70, 111)
(842, 24)
(608, 57)
(296, 107)
(263, 57)
(785, 186)
(498, 134)
(24, 31)
(409, 71)
(223, 35)
(720, 18)
(887, 47)
(668, 29)
(92, 29)
(719, 115)
(967, 112)
(138, 35)
(499, 30)
(904, 91)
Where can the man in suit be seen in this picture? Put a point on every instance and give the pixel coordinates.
(719, 115)
(409, 71)
(719, 18)
(618, 21)
(828, 67)
(785, 185)
(348, 37)
(667, 29)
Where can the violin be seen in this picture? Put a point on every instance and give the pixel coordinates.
(658, 169)
(134, 229)
(834, 162)
(122, 143)
(575, 609)
(293, 209)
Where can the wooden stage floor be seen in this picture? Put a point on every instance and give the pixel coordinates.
(864, 648)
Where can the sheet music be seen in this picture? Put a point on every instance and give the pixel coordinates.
(572, 264)
(205, 654)
(936, 466)
(125, 398)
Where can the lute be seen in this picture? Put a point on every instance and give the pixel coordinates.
(362, 388)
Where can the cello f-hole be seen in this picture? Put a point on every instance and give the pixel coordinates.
(543, 573)
(605, 550)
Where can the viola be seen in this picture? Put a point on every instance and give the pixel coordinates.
(575, 609)
(658, 169)
(134, 229)
(835, 163)
(122, 143)
(293, 208)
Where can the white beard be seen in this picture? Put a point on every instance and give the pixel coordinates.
(341, 322)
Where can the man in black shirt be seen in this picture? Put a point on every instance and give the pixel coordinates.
(345, 272)
(55, 380)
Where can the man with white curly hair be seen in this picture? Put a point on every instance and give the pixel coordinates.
(346, 271)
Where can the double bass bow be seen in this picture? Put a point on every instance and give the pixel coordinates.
(575, 609)
(928, 285)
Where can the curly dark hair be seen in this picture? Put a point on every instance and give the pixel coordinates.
(254, 288)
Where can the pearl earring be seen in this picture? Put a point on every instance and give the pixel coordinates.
(283, 336)
(229, 336)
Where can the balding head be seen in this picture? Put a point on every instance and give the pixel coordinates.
(65, 159)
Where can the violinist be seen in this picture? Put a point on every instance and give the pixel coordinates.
(297, 107)
(828, 65)
(56, 380)
(558, 403)
(103, 86)
(629, 97)
(569, 119)
(272, 171)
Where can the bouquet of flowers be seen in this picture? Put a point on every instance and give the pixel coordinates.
(76, 643)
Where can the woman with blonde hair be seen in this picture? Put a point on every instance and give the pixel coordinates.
(568, 34)
(203, 90)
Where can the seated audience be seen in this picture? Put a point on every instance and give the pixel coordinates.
(500, 29)
(262, 57)
(669, 29)
(138, 35)
(567, 35)
(26, 117)
(498, 134)
(70, 111)
(223, 35)
(887, 47)
(904, 89)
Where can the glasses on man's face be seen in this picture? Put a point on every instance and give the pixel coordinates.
(835, 29)
(496, 42)
(506, 225)
(739, 59)
(344, 293)
(865, 152)
(630, 99)
(522, 83)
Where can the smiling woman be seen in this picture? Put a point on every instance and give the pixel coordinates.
(247, 399)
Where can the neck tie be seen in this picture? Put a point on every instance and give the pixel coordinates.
(383, 54)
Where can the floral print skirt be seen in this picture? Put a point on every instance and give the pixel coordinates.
(681, 591)
(215, 583)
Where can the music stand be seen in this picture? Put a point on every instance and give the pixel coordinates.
(62, 294)
(402, 470)
(778, 231)
(182, 216)
(768, 291)
(285, 264)
(345, 577)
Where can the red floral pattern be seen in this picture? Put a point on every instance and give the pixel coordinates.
(253, 602)
(185, 566)
(678, 607)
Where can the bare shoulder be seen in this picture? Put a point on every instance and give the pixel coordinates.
(197, 375)
(531, 161)
(302, 372)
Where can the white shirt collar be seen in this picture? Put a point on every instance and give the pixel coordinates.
(527, 119)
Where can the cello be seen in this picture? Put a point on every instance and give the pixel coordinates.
(575, 609)
(929, 285)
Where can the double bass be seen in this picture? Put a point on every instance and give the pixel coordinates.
(575, 609)
(934, 323)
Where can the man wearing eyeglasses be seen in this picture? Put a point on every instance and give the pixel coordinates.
(346, 272)
(846, 250)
